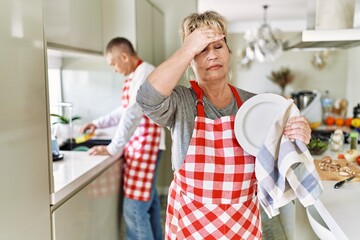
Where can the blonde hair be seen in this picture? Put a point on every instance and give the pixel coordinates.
(199, 20)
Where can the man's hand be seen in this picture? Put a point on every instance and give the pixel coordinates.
(98, 150)
(89, 126)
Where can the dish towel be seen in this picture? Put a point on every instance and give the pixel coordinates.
(284, 169)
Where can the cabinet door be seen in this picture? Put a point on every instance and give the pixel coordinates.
(24, 151)
(144, 32)
(74, 23)
(93, 212)
(158, 37)
(119, 20)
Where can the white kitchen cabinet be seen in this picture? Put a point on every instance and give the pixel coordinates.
(150, 42)
(144, 30)
(287, 219)
(118, 20)
(74, 24)
(24, 145)
(141, 22)
(158, 36)
(92, 213)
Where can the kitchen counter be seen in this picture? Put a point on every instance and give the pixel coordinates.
(75, 171)
(340, 208)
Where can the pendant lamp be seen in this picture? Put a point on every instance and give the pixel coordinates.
(263, 44)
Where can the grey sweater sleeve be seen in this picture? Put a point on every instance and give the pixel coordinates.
(177, 112)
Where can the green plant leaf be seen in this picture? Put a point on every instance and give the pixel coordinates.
(63, 120)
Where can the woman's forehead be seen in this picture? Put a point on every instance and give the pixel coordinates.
(192, 28)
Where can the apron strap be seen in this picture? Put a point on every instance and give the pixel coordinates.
(125, 97)
(236, 95)
(199, 102)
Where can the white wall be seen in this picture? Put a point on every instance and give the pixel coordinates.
(91, 85)
(332, 77)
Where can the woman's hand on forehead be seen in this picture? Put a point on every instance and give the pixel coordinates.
(200, 38)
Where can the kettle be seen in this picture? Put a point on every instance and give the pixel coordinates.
(309, 104)
(302, 99)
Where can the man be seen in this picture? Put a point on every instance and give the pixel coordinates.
(137, 138)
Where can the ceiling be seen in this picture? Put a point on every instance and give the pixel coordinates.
(288, 15)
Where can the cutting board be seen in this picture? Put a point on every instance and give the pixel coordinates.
(334, 176)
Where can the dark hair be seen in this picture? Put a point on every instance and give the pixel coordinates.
(122, 43)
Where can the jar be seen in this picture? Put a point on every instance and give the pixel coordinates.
(353, 140)
(337, 140)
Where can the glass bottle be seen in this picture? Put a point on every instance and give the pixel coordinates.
(353, 140)
(327, 104)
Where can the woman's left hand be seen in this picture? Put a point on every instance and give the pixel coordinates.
(298, 128)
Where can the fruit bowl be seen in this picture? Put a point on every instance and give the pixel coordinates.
(317, 146)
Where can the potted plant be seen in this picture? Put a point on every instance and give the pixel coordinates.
(64, 123)
(63, 119)
(282, 77)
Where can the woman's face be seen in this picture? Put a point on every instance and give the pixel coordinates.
(213, 62)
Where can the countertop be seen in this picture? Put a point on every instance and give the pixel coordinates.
(78, 168)
(75, 171)
(340, 208)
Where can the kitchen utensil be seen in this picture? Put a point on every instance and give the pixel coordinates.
(303, 98)
(254, 119)
(309, 104)
(84, 137)
(340, 183)
(356, 111)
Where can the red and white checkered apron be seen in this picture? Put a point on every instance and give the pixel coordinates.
(213, 195)
(140, 154)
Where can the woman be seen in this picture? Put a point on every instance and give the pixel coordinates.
(213, 194)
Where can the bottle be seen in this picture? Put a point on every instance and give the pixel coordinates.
(353, 140)
(327, 104)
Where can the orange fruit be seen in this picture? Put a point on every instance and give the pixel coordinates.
(348, 122)
(339, 122)
(329, 121)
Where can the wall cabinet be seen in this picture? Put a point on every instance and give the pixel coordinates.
(74, 24)
(92, 213)
(150, 42)
(118, 20)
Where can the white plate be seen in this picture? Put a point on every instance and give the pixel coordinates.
(254, 118)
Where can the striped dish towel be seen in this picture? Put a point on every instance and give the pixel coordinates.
(284, 169)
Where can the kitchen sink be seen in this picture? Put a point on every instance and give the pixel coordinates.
(70, 144)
